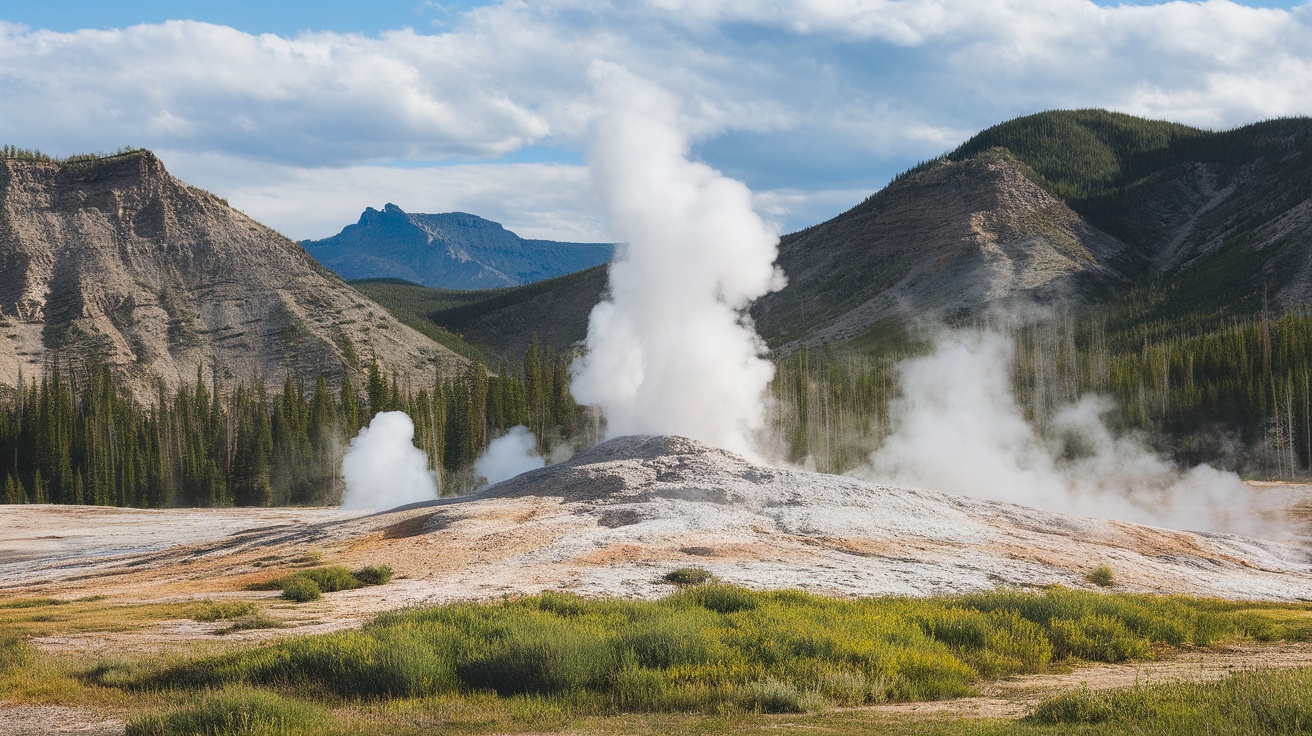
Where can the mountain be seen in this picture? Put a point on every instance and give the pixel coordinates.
(947, 241)
(1146, 220)
(450, 251)
(111, 258)
(497, 323)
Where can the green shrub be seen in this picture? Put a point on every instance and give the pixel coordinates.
(1244, 703)
(374, 574)
(1101, 576)
(301, 588)
(850, 688)
(331, 579)
(688, 576)
(1096, 637)
(671, 638)
(238, 711)
(399, 663)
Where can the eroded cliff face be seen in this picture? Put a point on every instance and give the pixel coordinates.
(113, 258)
(957, 238)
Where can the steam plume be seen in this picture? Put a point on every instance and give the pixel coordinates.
(957, 428)
(671, 351)
(383, 469)
(509, 455)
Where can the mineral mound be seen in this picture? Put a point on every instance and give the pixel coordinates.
(615, 519)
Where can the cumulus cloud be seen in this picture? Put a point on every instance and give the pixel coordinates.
(549, 201)
(881, 83)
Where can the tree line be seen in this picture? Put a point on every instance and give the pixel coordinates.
(1235, 392)
(77, 436)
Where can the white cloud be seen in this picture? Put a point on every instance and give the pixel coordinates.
(805, 96)
(550, 201)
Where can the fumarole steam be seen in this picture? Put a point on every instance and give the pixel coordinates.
(958, 427)
(383, 468)
(509, 455)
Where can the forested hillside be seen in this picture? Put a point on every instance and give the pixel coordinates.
(76, 436)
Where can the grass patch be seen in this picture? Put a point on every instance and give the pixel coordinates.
(712, 647)
(688, 576)
(83, 615)
(33, 603)
(14, 653)
(1244, 703)
(208, 610)
(235, 711)
(257, 620)
(1101, 576)
(309, 585)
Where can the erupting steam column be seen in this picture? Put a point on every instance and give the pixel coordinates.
(672, 351)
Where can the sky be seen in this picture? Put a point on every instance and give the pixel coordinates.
(303, 114)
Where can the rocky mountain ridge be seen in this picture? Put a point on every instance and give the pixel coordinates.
(113, 259)
(453, 250)
(1073, 209)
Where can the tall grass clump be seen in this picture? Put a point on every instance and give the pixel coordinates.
(15, 653)
(236, 711)
(1101, 576)
(713, 646)
(1244, 703)
(374, 574)
(301, 589)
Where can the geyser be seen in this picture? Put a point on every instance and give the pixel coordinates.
(509, 455)
(383, 468)
(957, 427)
(672, 350)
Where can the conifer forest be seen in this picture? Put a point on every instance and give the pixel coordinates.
(1234, 392)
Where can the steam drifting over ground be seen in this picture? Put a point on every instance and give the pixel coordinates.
(509, 455)
(671, 352)
(957, 427)
(383, 468)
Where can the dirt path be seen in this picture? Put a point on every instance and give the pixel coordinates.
(55, 720)
(1013, 697)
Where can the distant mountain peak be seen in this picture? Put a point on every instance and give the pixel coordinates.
(453, 250)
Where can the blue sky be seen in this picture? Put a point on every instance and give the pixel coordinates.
(302, 114)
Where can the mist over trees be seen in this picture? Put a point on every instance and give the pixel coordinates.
(1234, 392)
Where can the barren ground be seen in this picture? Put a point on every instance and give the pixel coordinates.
(611, 522)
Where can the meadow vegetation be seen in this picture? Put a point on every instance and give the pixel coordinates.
(716, 648)
(707, 657)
